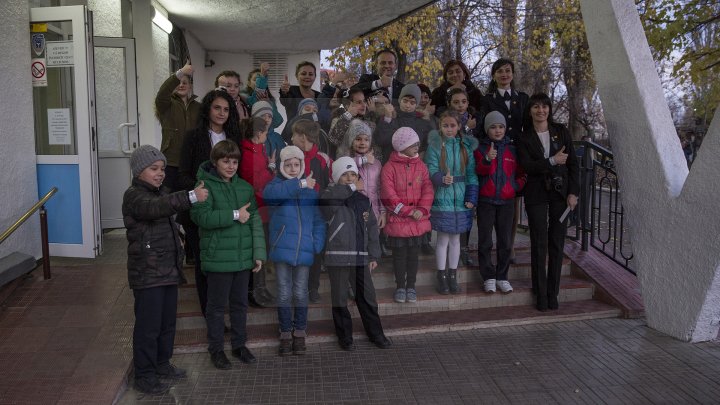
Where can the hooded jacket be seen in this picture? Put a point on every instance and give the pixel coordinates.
(449, 213)
(155, 253)
(227, 245)
(501, 178)
(406, 187)
(297, 228)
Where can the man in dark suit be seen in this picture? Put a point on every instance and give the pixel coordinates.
(385, 64)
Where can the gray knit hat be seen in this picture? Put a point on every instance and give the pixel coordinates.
(412, 90)
(292, 152)
(260, 108)
(494, 117)
(305, 102)
(143, 157)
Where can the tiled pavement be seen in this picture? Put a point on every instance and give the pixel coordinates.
(67, 341)
(606, 361)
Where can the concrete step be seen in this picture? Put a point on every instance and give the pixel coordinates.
(472, 297)
(15, 265)
(194, 340)
(384, 277)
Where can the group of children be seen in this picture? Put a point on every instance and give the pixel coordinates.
(319, 208)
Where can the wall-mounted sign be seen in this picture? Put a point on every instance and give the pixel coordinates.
(39, 72)
(60, 53)
(59, 126)
(38, 44)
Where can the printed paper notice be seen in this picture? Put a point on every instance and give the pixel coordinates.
(59, 126)
(60, 53)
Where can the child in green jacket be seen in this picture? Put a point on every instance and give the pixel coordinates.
(232, 243)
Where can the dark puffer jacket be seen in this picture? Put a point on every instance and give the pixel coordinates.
(155, 254)
(353, 234)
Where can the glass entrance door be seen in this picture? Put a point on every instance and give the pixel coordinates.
(65, 133)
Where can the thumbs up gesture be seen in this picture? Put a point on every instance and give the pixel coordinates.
(471, 123)
(310, 181)
(448, 179)
(264, 68)
(187, 70)
(492, 153)
(244, 214)
(386, 79)
(285, 86)
(201, 192)
(560, 157)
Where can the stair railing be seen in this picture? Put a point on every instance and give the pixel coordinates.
(40, 205)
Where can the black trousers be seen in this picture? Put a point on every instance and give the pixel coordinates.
(314, 277)
(547, 239)
(223, 288)
(364, 299)
(154, 332)
(192, 240)
(501, 218)
(405, 264)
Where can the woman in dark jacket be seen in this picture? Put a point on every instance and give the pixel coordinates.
(546, 153)
(455, 75)
(291, 96)
(218, 120)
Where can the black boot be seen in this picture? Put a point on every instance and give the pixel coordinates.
(260, 291)
(442, 282)
(452, 281)
(465, 257)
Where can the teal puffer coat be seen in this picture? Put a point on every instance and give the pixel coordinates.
(227, 245)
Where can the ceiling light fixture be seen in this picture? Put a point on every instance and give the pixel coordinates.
(161, 21)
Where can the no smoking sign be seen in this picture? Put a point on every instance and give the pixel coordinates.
(39, 72)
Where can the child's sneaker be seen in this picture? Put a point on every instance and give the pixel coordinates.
(400, 295)
(490, 285)
(411, 295)
(504, 286)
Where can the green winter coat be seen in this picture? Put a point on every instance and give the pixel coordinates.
(176, 118)
(227, 245)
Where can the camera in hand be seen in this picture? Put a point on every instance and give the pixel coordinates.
(557, 182)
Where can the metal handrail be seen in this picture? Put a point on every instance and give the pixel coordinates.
(598, 201)
(27, 214)
(40, 205)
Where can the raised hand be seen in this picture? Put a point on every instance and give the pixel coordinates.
(389, 110)
(285, 87)
(201, 192)
(264, 68)
(244, 214)
(310, 181)
(187, 70)
(572, 201)
(560, 157)
(471, 123)
(386, 80)
(359, 184)
(370, 157)
(448, 179)
(492, 153)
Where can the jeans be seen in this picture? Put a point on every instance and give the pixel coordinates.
(224, 287)
(292, 284)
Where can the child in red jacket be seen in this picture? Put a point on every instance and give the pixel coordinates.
(407, 193)
(501, 177)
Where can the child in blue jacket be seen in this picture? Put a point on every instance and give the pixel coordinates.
(297, 234)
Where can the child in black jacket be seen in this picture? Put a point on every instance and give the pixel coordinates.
(155, 257)
(352, 246)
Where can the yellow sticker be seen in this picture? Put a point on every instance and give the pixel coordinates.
(38, 27)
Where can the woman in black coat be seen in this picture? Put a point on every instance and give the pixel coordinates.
(546, 153)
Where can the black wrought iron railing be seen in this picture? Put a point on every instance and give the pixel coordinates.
(600, 221)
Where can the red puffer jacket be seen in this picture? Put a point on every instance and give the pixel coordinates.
(254, 169)
(405, 187)
(498, 186)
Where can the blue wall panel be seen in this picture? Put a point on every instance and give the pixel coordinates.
(63, 209)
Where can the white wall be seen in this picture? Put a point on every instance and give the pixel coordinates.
(672, 212)
(17, 140)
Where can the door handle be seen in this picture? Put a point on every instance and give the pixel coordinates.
(127, 137)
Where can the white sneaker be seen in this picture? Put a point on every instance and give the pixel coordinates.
(504, 286)
(490, 285)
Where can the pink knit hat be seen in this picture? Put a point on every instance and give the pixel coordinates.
(404, 138)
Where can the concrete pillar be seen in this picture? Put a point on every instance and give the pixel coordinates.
(17, 139)
(672, 213)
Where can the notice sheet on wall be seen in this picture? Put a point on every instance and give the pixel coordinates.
(59, 126)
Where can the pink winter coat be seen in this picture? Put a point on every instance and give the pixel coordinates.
(406, 186)
(370, 175)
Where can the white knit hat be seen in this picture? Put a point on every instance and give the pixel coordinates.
(404, 138)
(342, 165)
(290, 152)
